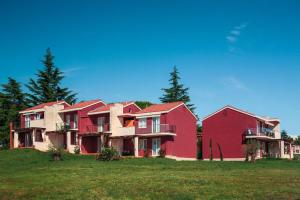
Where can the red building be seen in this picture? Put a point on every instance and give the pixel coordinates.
(169, 127)
(227, 130)
(75, 126)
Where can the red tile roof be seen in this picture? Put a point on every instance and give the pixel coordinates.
(43, 105)
(102, 109)
(160, 107)
(107, 107)
(81, 105)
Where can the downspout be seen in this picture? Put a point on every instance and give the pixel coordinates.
(11, 137)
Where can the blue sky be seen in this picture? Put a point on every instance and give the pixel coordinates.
(242, 53)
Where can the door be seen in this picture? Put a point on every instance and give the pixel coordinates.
(68, 120)
(155, 124)
(100, 124)
(155, 146)
(27, 121)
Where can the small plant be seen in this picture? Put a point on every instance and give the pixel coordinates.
(210, 150)
(127, 153)
(55, 153)
(221, 153)
(108, 154)
(250, 148)
(161, 153)
(199, 149)
(77, 149)
(147, 153)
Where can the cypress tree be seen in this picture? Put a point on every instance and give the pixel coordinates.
(47, 87)
(176, 92)
(12, 101)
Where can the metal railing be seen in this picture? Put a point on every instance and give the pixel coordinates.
(260, 132)
(159, 128)
(62, 126)
(98, 128)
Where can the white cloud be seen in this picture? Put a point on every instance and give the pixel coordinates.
(231, 39)
(71, 70)
(235, 32)
(235, 83)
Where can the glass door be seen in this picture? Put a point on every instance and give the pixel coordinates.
(100, 124)
(27, 121)
(155, 124)
(155, 146)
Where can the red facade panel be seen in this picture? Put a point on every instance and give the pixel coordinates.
(226, 128)
(185, 141)
(131, 109)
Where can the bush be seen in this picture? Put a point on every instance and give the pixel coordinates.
(250, 149)
(161, 153)
(296, 156)
(55, 153)
(108, 154)
(147, 153)
(127, 153)
(77, 149)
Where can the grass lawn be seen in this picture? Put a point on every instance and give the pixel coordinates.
(28, 174)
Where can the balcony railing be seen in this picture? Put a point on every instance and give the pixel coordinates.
(98, 129)
(159, 128)
(62, 127)
(36, 123)
(260, 132)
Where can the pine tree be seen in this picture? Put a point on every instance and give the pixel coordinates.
(177, 92)
(47, 86)
(12, 101)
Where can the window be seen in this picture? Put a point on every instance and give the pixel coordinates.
(38, 116)
(73, 138)
(38, 136)
(143, 144)
(155, 124)
(68, 120)
(27, 121)
(143, 123)
(75, 121)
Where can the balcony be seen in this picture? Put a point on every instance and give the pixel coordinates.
(124, 131)
(98, 129)
(261, 132)
(156, 129)
(62, 127)
(37, 123)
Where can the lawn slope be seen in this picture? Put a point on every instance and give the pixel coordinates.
(28, 174)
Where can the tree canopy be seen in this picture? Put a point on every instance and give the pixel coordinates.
(12, 101)
(176, 91)
(47, 86)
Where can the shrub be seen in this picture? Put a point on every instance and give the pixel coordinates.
(147, 153)
(55, 153)
(77, 149)
(127, 153)
(211, 158)
(108, 154)
(221, 153)
(296, 156)
(161, 153)
(250, 149)
(199, 149)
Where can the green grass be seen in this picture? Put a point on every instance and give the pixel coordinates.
(28, 174)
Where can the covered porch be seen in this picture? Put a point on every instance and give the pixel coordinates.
(93, 143)
(25, 139)
(153, 145)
